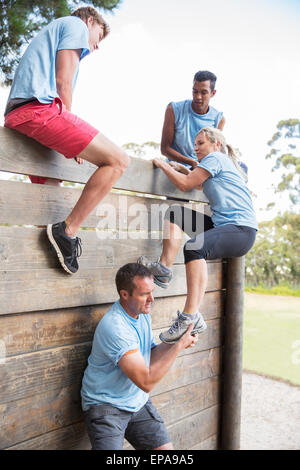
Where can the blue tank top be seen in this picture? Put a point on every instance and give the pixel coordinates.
(188, 124)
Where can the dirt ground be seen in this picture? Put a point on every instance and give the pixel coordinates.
(270, 414)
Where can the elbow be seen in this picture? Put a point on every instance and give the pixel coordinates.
(147, 387)
(182, 187)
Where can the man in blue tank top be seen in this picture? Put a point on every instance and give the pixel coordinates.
(184, 119)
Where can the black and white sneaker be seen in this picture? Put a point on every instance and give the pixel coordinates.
(68, 249)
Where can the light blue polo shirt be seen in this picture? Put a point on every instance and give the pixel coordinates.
(35, 75)
(187, 124)
(104, 382)
(226, 190)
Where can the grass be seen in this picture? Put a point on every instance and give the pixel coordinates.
(276, 290)
(272, 336)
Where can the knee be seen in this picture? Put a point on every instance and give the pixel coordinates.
(192, 251)
(122, 162)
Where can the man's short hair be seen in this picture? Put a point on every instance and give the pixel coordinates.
(86, 12)
(204, 75)
(126, 274)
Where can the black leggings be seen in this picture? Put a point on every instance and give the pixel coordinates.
(207, 241)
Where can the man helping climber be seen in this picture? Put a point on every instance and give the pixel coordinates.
(39, 106)
(124, 365)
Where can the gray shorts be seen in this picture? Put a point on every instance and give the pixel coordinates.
(107, 426)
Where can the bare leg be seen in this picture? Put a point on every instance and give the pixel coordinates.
(196, 278)
(112, 163)
(171, 243)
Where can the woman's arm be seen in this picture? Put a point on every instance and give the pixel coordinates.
(183, 182)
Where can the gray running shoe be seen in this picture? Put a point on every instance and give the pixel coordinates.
(162, 275)
(180, 326)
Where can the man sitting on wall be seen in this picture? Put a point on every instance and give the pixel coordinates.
(124, 365)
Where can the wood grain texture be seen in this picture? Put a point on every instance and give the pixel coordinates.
(35, 331)
(199, 427)
(37, 204)
(30, 374)
(31, 278)
(43, 413)
(211, 443)
(20, 154)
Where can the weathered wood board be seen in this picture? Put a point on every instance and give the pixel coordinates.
(20, 154)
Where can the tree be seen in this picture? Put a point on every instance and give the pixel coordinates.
(287, 154)
(147, 150)
(20, 20)
(275, 256)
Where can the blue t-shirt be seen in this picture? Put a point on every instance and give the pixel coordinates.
(229, 197)
(35, 75)
(104, 382)
(187, 125)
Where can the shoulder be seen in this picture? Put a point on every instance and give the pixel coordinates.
(213, 162)
(214, 112)
(178, 105)
(72, 24)
(113, 316)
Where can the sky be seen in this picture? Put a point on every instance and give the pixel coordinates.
(154, 50)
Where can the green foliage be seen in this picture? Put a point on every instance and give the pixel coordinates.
(20, 20)
(283, 290)
(275, 257)
(287, 157)
(147, 150)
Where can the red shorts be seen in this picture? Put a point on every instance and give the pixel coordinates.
(52, 125)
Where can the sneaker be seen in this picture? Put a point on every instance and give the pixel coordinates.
(180, 326)
(68, 249)
(162, 275)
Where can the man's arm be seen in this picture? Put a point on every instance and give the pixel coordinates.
(168, 137)
(221, 124)
(134, 366)
(65, 68)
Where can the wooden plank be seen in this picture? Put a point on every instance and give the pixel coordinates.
(198, 428)
(20, 154)
(55, 409)
(29, 374)
(185, 401)
(210, 443)
(191, 368)
(53, 204)
(188, 432)
(73, 437)
(28, 248)
(35, 331)
(33, 286)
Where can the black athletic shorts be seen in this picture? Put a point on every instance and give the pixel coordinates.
(107, 426)
(207, 241)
